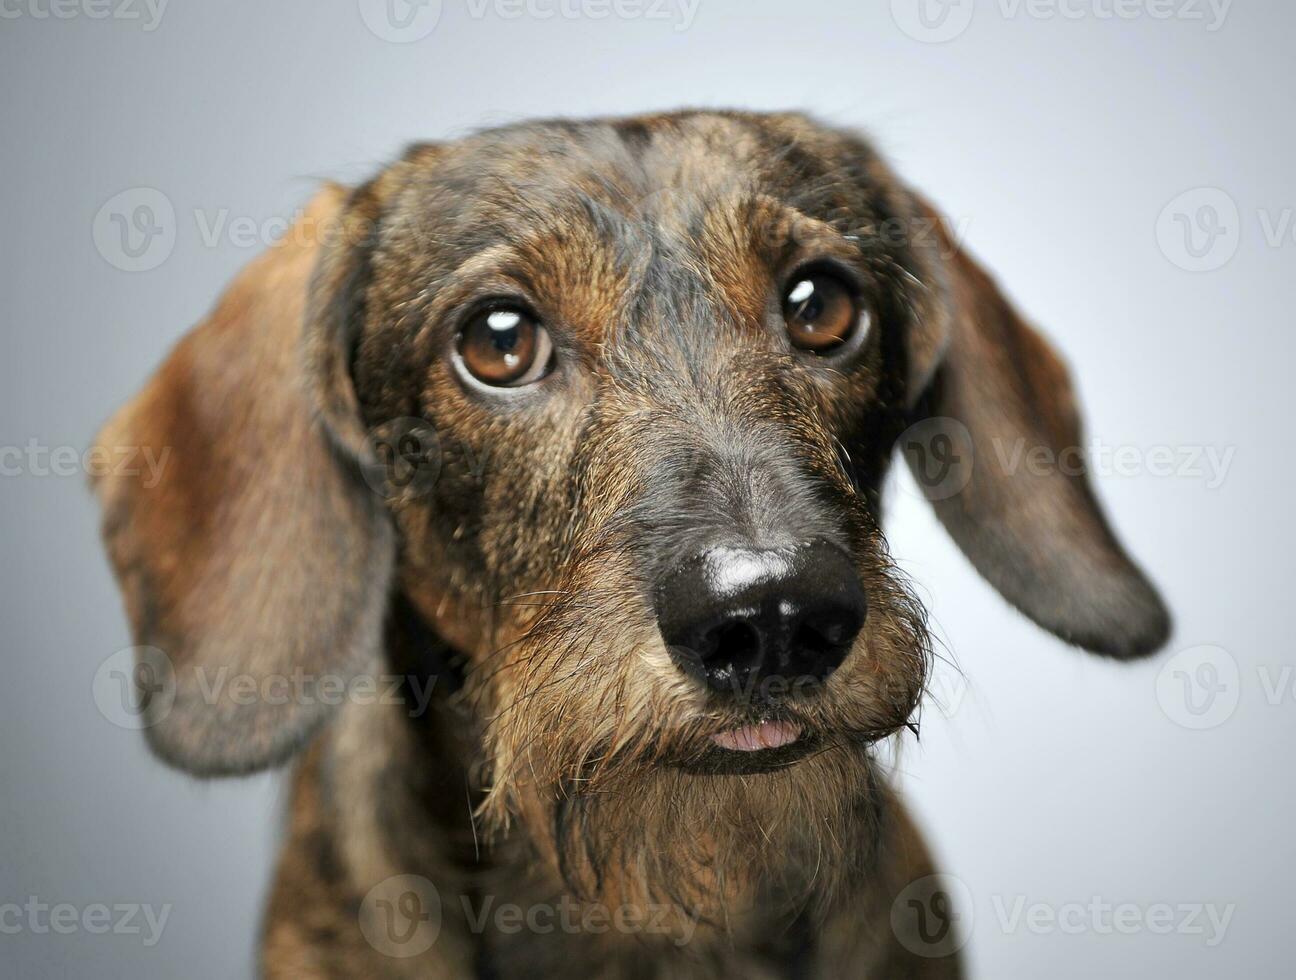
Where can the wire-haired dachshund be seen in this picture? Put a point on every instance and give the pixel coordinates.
(532, 492)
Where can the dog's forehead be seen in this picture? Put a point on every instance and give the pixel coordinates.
(599, 219)
(609, 160)
(581, 185)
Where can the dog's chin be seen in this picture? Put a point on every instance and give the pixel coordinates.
(683, 831)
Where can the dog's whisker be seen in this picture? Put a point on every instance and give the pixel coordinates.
(537, 592)
(472, 819)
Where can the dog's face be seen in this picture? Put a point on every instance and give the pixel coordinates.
(652, 373)
(659, 366)
(656, 364)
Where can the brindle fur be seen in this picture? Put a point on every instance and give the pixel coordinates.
(515, 572)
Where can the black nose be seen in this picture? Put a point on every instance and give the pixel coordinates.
(737, 617)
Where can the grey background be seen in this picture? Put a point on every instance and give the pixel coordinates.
(1055, 143)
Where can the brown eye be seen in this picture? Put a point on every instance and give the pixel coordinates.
(820, 311)
(505, 348)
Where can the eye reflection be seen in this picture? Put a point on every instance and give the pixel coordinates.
(505, 347)
(820, 312)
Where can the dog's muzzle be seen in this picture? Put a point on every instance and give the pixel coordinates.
(755, 622)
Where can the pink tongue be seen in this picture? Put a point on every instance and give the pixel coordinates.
(753, 738)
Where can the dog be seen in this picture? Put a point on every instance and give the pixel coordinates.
(532, 492)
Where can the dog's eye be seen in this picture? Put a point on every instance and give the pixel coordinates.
(821, 312)
(506, 348)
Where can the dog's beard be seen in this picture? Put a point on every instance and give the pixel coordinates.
(713, 847)
(592, 757)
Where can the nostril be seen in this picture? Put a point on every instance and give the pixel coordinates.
(817, 638)
(732, 615)
(826, 632)
(733, 645)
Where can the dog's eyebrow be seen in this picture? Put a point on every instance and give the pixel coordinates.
(805, 232)
(493, 267)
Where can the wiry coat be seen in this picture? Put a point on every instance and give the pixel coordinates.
(340, 505)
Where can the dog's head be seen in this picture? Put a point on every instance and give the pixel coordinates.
(611, 405)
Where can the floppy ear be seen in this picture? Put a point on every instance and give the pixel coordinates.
(989, 390)
(258, 562)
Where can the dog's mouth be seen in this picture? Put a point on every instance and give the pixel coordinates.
(770, 742)
(762, 745)
(760, 737)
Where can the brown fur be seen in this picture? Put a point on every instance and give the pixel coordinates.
(512, 568)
